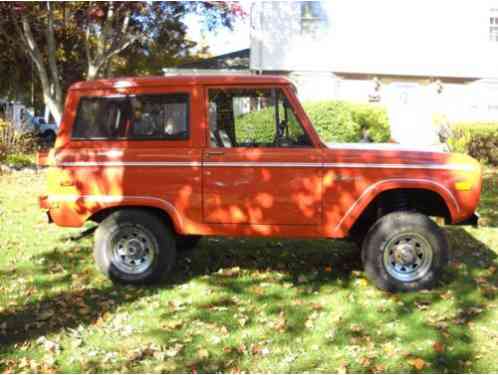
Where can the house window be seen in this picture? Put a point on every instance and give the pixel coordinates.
(493, 25)
(313, 20)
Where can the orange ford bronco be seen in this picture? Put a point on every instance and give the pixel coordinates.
(159, 162)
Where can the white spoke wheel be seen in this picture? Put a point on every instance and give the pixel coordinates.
(134, 249)
(134, 246)
(404, 251)
(408, 257)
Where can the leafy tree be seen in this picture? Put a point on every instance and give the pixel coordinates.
(56, 35)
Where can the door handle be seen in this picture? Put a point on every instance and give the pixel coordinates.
(215, 153)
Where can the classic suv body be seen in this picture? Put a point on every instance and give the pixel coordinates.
(313, 191)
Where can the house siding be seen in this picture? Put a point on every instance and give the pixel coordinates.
(435, 55)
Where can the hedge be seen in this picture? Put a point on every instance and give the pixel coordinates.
(335, 121)
(479, 140)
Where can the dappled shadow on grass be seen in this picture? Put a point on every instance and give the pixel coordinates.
(282, 291)
(468, 285)
(488, 207)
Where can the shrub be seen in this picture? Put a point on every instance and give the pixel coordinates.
(14, 143)
(20, 160)
(374, 118)
(253, 126)
(335, 121)
(479, 140)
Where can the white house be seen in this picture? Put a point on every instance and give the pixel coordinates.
(413, 55)
(423, 60)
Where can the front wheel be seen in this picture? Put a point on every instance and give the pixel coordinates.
(404, 251)
(134, 246)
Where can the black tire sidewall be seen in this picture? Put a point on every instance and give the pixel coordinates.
(392, 225)
(160, 233)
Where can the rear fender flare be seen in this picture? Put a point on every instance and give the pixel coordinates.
(93, 204)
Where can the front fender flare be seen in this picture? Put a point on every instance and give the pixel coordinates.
(372, 192)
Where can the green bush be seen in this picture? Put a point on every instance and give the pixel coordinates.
(335, 121)
(20, 160)
(253, 126)
(13, 145)
(479, 140)
(374, 118)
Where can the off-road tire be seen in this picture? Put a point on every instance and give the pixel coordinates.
(49, 137)
(159, 239)
(390, 228)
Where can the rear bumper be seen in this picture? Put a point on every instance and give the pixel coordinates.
(472, 220)
(45, 206)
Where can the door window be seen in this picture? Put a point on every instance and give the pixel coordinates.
(251, 117)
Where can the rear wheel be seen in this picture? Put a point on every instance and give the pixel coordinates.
(49, 137)
(134, 246)
(404, 251)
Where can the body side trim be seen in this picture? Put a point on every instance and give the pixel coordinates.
(451, 167)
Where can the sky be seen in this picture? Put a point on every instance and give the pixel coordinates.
(220, 41)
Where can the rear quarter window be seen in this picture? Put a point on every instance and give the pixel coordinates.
(100, 118)
(141, 117)
(159, 117)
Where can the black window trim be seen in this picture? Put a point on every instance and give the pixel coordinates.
(129, 116)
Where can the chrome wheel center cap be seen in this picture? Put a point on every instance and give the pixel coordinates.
(134, 248)
(405, 255)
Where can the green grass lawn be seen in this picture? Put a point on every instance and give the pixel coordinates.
(237, 304)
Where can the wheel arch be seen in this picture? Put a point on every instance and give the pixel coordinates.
(424, 196)
(169, 215)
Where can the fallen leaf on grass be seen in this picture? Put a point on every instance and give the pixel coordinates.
(438, 346)
(229, 272)
(174, 324)
(418, 363)
(362, 282)
(202, 354)
(342, 369)
(281, 323)
(173, 351)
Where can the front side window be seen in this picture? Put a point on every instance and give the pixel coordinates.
(141, 117)
(253, 118)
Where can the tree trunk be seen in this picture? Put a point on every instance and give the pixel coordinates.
(54, 107)
(51, 87)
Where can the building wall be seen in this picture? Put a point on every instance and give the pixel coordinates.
(421, 59)
(443, 38)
